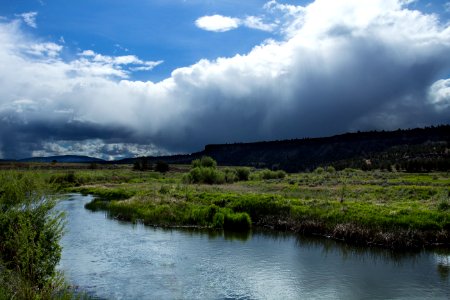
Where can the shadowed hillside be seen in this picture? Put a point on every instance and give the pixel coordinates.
(415, 150)
(64, 159)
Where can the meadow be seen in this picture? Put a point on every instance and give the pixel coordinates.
(388, 209)
(376, 208)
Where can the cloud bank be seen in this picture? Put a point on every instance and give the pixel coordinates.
(339, 66)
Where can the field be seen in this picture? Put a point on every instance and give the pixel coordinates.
(388, 209)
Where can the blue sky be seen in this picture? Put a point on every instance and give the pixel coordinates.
(116, 79)
(152, 30)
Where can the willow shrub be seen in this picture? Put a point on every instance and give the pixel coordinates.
(205, 170)
(204, 175)
(30, 231)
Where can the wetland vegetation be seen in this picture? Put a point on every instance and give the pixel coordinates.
(388, 209)
(374, 208)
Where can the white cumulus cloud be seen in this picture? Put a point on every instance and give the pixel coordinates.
(220, 23)
(217, 23)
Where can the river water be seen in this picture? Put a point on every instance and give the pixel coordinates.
(115, 260)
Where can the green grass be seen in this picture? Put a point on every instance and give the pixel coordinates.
(382, 208)
(379, 204)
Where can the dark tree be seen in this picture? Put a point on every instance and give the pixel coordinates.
(142, 164)
(161, 166)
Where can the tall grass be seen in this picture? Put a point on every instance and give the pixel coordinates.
(390, 209)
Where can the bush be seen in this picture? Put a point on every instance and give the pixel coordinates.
(205, 175)
(205, 162)
(230, 175)
(142, 164)
(30, 231)
(204, 171)
(242, 173)
(330, 169)
(161, 167)
(268, 174)
(319, 170)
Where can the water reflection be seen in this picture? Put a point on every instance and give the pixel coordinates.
(443, 263)
(117, 260)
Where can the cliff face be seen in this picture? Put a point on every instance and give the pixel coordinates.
(361, 150)
(426, 148)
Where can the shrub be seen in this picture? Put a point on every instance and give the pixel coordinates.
(230, 175)
(204, 171)
(205, 175)
(281, 174)
(161, 167)
(268, 174)
(330, 169)
(205, 162)
(142, 164)
(319, 170)
(196, 163)
(30, 230)
(242, 173)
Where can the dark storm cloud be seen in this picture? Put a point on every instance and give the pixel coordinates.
(21, 139)
(342, 65)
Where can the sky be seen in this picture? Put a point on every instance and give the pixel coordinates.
(114, 79)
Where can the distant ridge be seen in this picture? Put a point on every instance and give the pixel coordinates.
(415, 150)
(63, 159)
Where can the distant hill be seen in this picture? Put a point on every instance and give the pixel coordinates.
(63, 159)
(415, 150)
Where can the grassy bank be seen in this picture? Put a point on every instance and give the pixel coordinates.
(30, 231)
(389, 209)
(396, 210)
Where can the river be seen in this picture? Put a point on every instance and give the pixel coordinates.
(110, 259)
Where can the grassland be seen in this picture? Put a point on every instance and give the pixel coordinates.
(388, 209)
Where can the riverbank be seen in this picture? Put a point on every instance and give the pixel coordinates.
(392, 210)
(111, 260)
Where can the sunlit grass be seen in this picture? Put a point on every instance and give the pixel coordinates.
(376, 202)
(322, 202)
